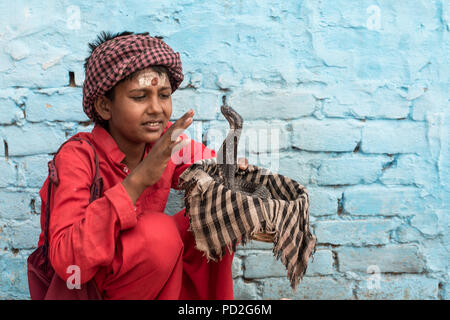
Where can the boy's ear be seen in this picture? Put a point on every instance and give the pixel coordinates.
(103, 107)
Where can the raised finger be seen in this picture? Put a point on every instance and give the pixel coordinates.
(180, 125)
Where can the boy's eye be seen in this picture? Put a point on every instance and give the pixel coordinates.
(163, 96)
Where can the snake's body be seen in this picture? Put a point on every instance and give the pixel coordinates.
(227, 158)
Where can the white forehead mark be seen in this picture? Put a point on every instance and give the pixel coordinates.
(145, 78)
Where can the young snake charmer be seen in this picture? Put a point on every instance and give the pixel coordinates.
(124, 240)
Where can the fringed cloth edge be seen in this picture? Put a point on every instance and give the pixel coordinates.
(221, 218)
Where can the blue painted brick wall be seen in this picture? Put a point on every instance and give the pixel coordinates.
(350, 98)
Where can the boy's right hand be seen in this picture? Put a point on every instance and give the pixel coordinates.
(153, 165)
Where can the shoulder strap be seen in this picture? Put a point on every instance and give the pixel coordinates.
(95, 190)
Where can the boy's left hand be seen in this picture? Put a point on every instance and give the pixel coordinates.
(243, 163)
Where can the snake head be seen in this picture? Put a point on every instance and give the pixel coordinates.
(234, 119)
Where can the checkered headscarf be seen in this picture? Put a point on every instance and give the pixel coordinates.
(117, 58)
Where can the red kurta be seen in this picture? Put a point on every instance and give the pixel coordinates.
(134, 252)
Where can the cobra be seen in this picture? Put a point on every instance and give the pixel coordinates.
(227, 159)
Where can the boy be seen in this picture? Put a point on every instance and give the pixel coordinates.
(124, 240)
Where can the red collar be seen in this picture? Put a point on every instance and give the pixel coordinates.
(104, 141)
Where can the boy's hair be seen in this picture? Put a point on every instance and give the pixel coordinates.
(106, 36)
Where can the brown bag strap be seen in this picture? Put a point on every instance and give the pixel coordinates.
(95, 190)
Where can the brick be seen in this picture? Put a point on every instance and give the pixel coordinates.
(350, 170)
(279, 73)
(264, 264)
(444, 159)
(21, 234)
(36, 76)
(338, 54)
(256, 136)
(323, 201)
(435, 131)
(433, 100)
(175, 202)
(245, 290)
(360, 51)
(446, 292)
(33, 139)
(236, 267)
(255, 245)
(227, 80)
(18, 95)
(393, 258)
(393, 137)
(368, 200)
(13, 275)
(398, 287)
(310, 288)
(205, 104)
(17, 49)
(264, 137)
(326, 135)
(407, 234)
(419, 13)
(196, 80)
(435, 252)
(61, 104)
(16, 205)
(285, 104)
(33, 170)
(8, 176)
(321, 263)
(427, 223)
(298, 165)
(357, 232)
(285, 163)
(361, 103)
(76, 67)
(408, 169)
(44, 68)
(9, 112)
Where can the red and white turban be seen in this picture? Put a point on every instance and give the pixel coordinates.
(117, 58)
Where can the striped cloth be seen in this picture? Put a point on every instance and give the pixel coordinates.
(221, 218)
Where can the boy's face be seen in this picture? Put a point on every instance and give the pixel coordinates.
(141, 107)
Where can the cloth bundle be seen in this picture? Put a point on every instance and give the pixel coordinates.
(221, 218)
